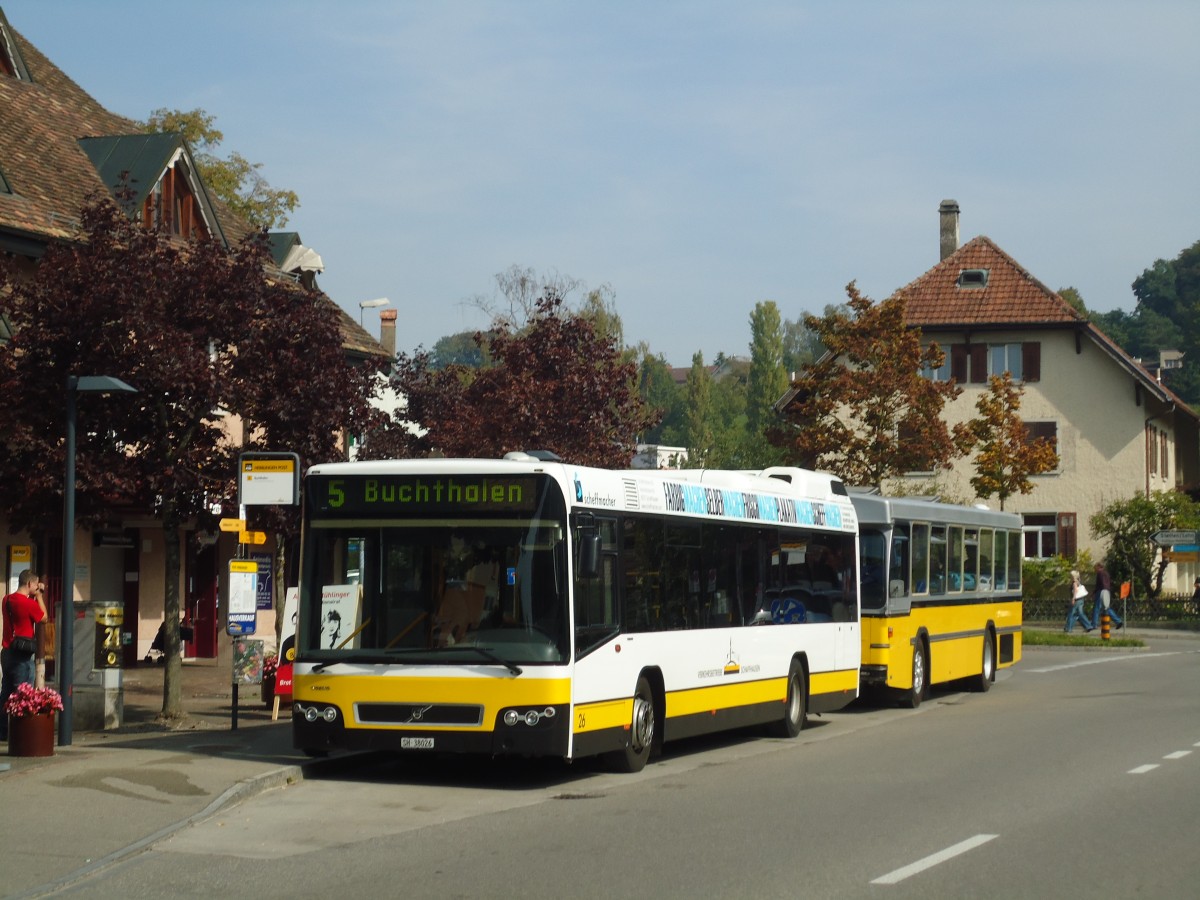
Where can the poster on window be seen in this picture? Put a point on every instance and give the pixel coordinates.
(340, 608)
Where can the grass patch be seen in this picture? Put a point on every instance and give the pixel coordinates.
(1056, 637)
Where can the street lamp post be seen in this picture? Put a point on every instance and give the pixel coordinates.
(87, 384)
(364, 305)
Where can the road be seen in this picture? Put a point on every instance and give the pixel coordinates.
(1077, 775)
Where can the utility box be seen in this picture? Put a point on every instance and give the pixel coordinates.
(99, 703)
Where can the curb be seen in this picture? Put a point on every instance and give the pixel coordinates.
(243, 790)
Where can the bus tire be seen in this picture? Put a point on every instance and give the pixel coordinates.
(795, 707)
(987, 667)
(912, 698)
(633, 756)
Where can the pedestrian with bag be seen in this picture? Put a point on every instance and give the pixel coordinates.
(1079, 595)
(23, 609)
(1103, 594)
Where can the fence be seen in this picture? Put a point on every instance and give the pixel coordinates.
(1164, 610)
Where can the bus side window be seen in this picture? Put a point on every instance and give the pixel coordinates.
(898, 570)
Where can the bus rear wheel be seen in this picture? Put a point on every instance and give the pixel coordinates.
(795, 706)
(981, 682)
(632, 758)
(920, 681)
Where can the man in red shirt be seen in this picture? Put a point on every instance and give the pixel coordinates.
(23, 609)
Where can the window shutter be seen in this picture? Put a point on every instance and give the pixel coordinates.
(1066, 534)
(958, 363)
(979, 363)
(1031, 360)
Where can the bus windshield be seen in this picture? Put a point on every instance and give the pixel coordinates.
(394, 583)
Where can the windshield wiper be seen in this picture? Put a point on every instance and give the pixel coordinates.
(490, 657)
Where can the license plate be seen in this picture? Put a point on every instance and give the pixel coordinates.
(416, 743)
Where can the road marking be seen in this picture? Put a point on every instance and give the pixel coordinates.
(1142, 770)
(937, 858)
(1107, 659)
(1178, 754)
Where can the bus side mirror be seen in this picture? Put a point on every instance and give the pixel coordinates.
(589, 553)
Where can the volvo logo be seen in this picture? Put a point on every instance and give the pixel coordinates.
(418, 713)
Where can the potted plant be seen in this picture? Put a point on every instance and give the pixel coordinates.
(30, 712)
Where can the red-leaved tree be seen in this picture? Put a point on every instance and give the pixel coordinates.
(209, 342)
(556, 383)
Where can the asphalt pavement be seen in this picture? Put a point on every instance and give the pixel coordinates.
(112, 793)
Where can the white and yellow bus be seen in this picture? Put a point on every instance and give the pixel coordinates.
(527, 606)
(941, 594)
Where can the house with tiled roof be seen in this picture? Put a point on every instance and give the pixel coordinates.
(1117, 429)
(58, 147)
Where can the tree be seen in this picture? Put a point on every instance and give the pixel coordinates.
(1133, 555)
(1074, 299)
(863, 411)
(554, 384)
(699, 430)
(768, 379)
(800, 345)
(1006, 457)
(234, 180)
(459, 349)
(660, 392)
(204, 337)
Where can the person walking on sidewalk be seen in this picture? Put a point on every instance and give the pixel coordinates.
(23, 609)
(1079, 595)
(1103, 594)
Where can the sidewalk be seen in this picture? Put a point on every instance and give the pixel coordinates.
(112, 793)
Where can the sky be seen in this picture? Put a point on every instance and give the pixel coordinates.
(694, 158)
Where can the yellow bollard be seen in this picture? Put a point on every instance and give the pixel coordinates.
(1105, 621)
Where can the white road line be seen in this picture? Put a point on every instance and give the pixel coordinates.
(930, 861)
(1142, 770)
(1178, 754)
(1098, 661)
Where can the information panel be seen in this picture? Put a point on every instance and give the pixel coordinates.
(268, 479)
(243, 586)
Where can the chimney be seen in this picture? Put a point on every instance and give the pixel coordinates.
(387, 331)
(949, 231)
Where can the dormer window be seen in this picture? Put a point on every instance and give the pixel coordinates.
(4, 188)
(11, 63)
(973, 278)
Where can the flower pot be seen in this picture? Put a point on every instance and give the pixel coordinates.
(268, 691)
(31, 735)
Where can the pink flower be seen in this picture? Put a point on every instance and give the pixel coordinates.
(27, 700)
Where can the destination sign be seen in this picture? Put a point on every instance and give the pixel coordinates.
(455, 494)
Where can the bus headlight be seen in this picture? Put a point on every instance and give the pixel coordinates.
(313, 712)
(530, 717)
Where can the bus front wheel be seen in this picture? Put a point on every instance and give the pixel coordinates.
(795, 706)
(920, 681)
(633, 757)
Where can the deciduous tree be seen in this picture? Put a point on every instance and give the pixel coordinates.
(1006, 457)
(863, 411)
(699, 429)
(206, 340)
(768, 379)
(555, 383)
(1131, 523)
(234, 179)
